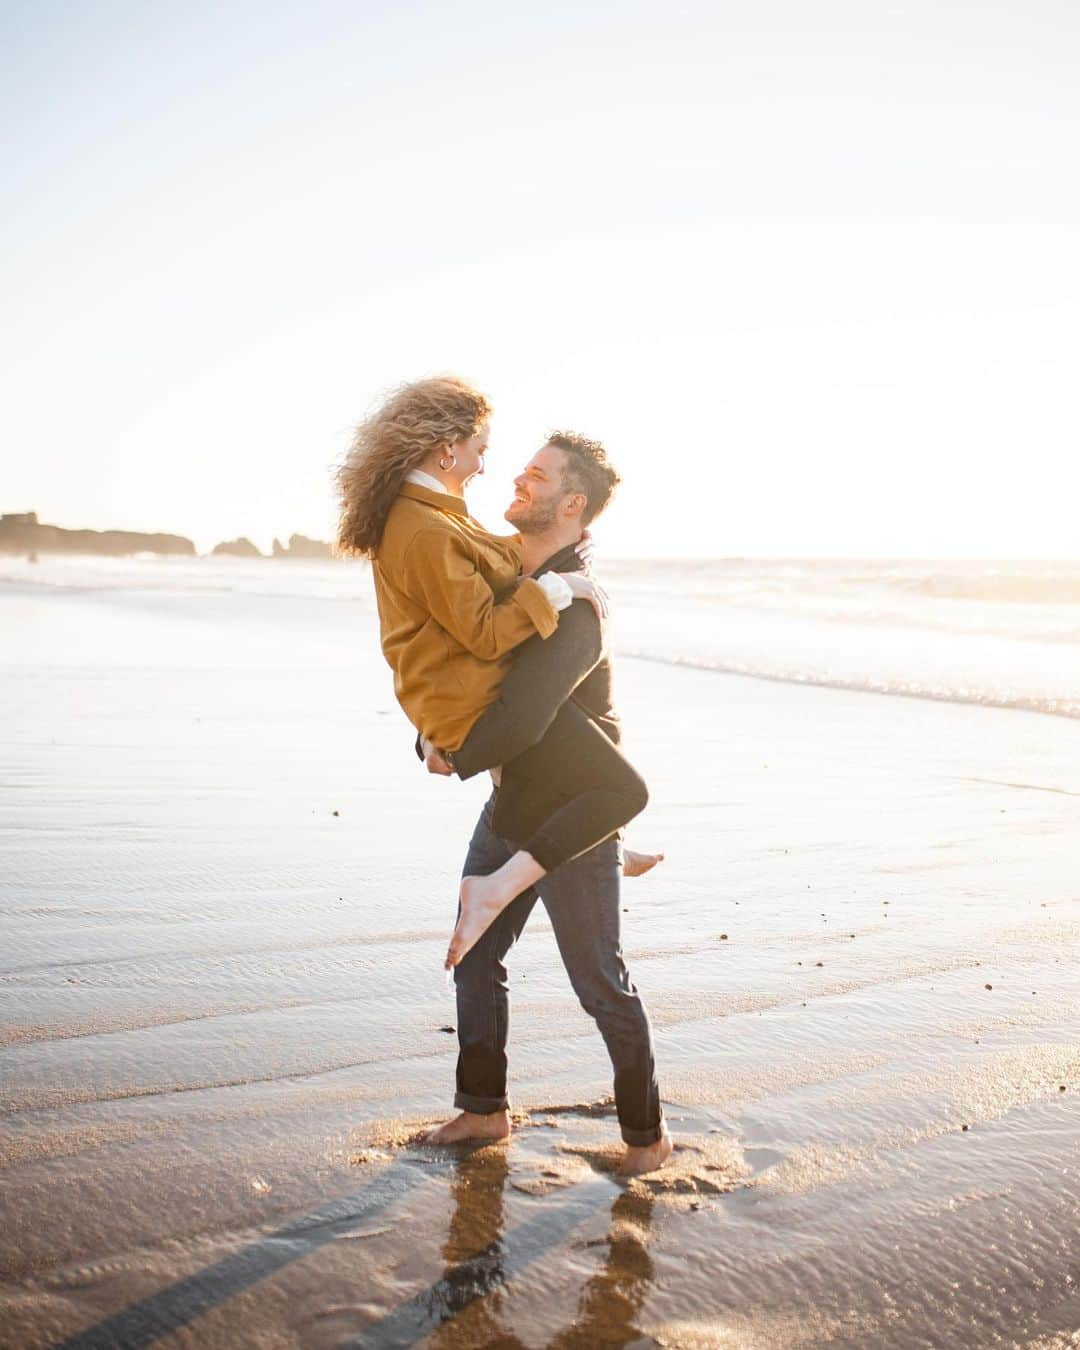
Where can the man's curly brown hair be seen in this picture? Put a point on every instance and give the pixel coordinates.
(587, 470)
(415, 420)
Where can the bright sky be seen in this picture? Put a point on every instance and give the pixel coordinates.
(810, 271)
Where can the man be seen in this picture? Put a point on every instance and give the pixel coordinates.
(563, 488)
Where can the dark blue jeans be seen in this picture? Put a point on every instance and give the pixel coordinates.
(582, 900)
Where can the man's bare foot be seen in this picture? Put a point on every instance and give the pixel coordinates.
(483, 899)
(637, 864)
(647, 1159)
(470, 1125)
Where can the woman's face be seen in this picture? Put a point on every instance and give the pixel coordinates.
(469, 454)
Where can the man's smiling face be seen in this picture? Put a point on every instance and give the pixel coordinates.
(539, 492)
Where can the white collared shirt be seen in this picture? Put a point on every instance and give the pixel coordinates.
(426, 480)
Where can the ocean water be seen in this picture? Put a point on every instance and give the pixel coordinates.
(1004, 634)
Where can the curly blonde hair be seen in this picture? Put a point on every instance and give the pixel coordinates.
(416, 419)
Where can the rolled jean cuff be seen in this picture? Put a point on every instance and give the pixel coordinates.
(481, 1106)
(642, 1138)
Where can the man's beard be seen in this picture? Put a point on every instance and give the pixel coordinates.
(536, 518)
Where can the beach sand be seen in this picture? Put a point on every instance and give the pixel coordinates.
(226, 886)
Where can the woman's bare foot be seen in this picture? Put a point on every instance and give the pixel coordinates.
(483, 899)
(470, 1125)
(647, 1159)
(637, 864)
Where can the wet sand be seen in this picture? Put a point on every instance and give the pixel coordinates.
(225, 890)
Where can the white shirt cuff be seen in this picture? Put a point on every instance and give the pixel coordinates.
(556, 590)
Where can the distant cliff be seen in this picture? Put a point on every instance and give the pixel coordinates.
(236, 548)
(300, 546)
(23, 533)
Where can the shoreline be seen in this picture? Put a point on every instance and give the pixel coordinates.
(852, 687)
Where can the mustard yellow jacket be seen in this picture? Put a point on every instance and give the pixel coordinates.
(452, 607)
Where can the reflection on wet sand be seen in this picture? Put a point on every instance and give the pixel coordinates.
(612, 1300)
(475, 1256)
(466, 1307)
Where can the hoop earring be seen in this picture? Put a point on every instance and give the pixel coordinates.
(443, 464)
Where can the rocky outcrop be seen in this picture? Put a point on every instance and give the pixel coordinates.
(236, 548)
(300, 546)
(23, 533)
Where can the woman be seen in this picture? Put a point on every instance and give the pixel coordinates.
(452, 609)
